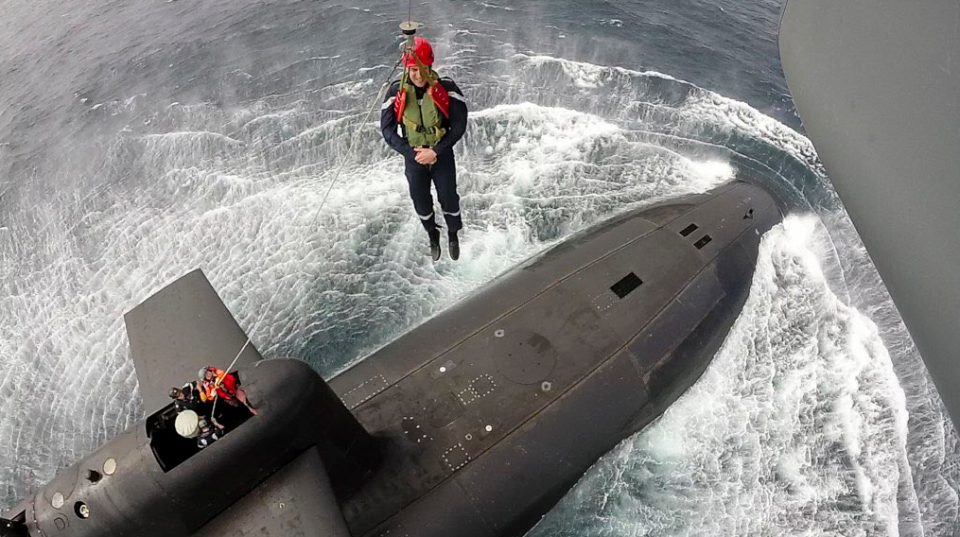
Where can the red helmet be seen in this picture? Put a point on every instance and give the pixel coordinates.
(423, 50)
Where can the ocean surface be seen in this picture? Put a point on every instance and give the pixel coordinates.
(141, 140)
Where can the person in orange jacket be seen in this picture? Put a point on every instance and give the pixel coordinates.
(217, 383)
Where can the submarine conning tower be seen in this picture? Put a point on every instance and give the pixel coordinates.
(150, 481)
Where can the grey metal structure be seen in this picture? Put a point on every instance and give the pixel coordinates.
(142, 488)
(173, 333)
(877, 85)
(473, 424)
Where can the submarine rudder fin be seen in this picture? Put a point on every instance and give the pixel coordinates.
(178, 330)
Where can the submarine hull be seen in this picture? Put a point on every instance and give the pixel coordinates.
(493, 409)
(473, 424)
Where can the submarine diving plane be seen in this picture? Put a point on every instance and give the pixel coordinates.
(473, 424)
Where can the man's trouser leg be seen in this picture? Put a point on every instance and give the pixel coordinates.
(418, 177)
(445, 179)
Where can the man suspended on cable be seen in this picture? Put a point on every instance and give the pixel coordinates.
(422, 117)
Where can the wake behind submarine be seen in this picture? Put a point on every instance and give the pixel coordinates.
(473, 424)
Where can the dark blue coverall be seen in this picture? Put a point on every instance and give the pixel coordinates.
(443, 173)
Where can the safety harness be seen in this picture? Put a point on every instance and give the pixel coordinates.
(422, 120)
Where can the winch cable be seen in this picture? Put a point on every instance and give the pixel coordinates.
(323, 201)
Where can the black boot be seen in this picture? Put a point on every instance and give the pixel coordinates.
(454, 244)
(434, 244)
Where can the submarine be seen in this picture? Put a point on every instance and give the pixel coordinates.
(474, 423)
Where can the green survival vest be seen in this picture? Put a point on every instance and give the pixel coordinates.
(422, 121)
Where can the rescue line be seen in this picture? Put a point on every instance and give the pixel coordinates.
(440, 97)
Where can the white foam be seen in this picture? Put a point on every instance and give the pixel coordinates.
(798, 423)
(712, 173)
(588, 71)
